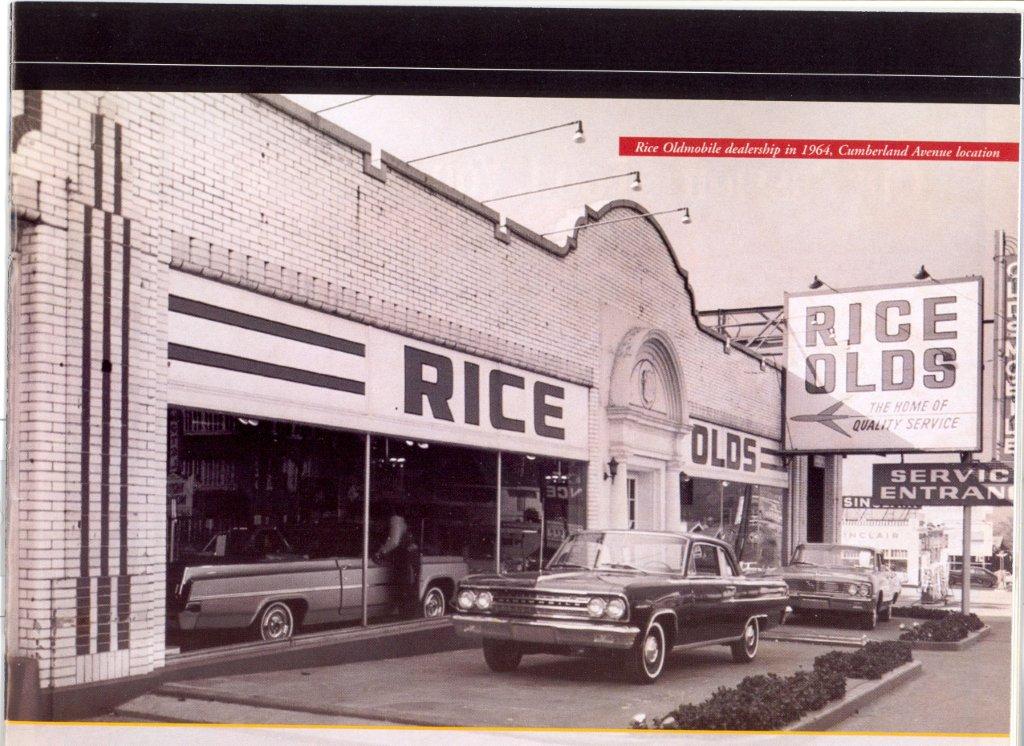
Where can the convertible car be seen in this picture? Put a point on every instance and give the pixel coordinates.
(634, 594)
(844, 579)
(253, 578)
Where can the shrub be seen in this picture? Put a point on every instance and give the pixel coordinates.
(920, 612)
(870, 662)
(760, 702)
(770, 702)
(950, 627)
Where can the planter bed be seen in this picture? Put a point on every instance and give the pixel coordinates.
(971, 639)
(838, 685)
(944, 630)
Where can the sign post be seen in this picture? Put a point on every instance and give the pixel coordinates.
(965, 583)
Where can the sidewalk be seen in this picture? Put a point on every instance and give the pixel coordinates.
(457, 688)
(960, 692)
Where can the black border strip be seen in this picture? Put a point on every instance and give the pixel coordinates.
(827, 55)
(186, 354)
(201, 310)
(526, 83)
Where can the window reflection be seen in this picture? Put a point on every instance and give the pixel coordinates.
(542, 502)
(748, 516)
(433, 514)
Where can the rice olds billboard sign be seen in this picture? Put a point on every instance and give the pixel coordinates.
(885, 369)
(941, 485)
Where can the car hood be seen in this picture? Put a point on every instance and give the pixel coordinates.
(814, 572)
(570, 580)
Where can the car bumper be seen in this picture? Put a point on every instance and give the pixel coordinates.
(187, 620)
(546, 631)
(829, 603)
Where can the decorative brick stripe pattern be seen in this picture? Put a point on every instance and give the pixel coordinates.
(88, 472)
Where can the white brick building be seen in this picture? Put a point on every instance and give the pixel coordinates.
(260, 210)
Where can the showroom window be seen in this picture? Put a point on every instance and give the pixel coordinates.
(246, 490)
(542, 502)
(748, 516)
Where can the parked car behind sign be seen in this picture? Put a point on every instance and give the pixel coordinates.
(842, 578)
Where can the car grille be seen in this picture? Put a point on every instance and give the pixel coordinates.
(529, 603)
(803, 585)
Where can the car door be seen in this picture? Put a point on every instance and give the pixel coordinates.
(703, 573)
(740, 597)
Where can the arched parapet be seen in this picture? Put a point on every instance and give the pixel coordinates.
(647, 383)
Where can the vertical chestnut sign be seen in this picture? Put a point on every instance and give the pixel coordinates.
(885, 369)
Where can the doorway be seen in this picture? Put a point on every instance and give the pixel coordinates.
(815, 504)
(642, 504)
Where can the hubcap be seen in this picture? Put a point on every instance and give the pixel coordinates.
(434, 604)
(751, 636)
(276, 625)
(652, 649)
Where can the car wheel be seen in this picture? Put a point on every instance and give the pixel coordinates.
(744, 649)
(435, 604)
(885, 611)
(276, 622)
(501, 656)
(870, 619)
(646, 660)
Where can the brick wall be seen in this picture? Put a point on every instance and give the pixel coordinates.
(257, 192)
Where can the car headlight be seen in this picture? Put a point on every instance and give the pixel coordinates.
(865, 590)
(852, 589)
(466, 600)
(484, 599)
(596, 606)
(616, 609)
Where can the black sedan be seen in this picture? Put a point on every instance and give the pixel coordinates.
(980, 578)
(633, 594)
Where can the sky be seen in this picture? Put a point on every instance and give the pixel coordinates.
(760, 227)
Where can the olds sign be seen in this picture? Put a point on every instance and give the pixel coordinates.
(885, 369)
(941, 485)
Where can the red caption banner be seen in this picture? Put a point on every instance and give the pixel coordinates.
(858, 150)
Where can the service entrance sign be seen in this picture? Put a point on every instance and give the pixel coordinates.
(885, 369)
(941, 485)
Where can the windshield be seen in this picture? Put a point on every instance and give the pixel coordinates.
(854, 558)
(594, 550)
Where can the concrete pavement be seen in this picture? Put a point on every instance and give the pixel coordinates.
(964, 691)
(457, 688)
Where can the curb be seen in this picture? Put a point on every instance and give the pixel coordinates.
(971, 639)
(811, 639)
(272, 703)
(861, 694)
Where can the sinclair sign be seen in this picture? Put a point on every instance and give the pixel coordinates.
(885, 369)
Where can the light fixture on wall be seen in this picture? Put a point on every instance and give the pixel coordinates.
(635, 185)
(686, 216)
(577, 137)
(818, 283)
(613, 469)
(922, 274)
